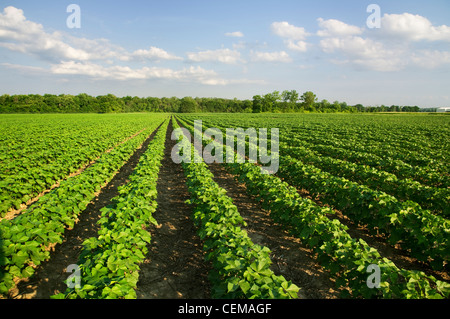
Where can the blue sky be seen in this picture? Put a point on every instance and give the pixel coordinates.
(229, 49)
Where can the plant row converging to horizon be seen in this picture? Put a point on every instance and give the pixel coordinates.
(386, 173)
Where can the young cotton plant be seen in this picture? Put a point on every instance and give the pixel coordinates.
(109, 263)
(241, 269)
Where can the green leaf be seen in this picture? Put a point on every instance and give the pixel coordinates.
(245, 286)
(20, 258)
(116, 291)
(88, 287)
(231, 287)
(15, 271)
(27, 272)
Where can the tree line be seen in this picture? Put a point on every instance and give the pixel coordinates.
(284, 102)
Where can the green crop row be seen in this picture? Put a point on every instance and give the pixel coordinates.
(416, 140)
(423, 174)
(417, 229)
(406, 135)
(109, 263)
(25, 240)
(433, 198)
(397, 149)
(241, 269)
(347, 259)
(37, 154)
(357, 139)
(424, 233)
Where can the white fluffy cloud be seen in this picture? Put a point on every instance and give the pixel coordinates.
(25, 68)
(226, 56)
(21, 35)
(117, 72)
(404, 40)
(152, 54)
(122, 73)
(431, 59)
(294, 37)
(300, 46)
(236, 34)
(334, 27)
(363, 52)
(413, 27)
(69, 56)
(289, 31)
(386, 49)
(281, 56)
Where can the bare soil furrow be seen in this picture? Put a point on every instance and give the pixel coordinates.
(175, 266)
(289, 256)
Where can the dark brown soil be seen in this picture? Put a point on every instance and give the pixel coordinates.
(290, 257)
(175, 266)
(395, 253)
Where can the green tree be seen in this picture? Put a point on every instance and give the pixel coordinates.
(309, 99)
(6, 105)
(66, 103)
(323, 106)
(289, 99)
(110, 103)
(359, 107)
(257, 103)
(84, 102)
(336, 106)
(153, 104)
(188, 105)
(247, 106)
(270, 101)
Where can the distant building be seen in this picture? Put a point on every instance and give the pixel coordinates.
(443, 110)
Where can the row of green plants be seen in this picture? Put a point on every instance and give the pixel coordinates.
(35, 154)
(424, 174)
(240, 268)
(426, 235)
(364, 140)
(416, 140)
(346, 258)
(109, 263)
(26, 240)
(405, 222)
(412, 152)
(434, 198)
